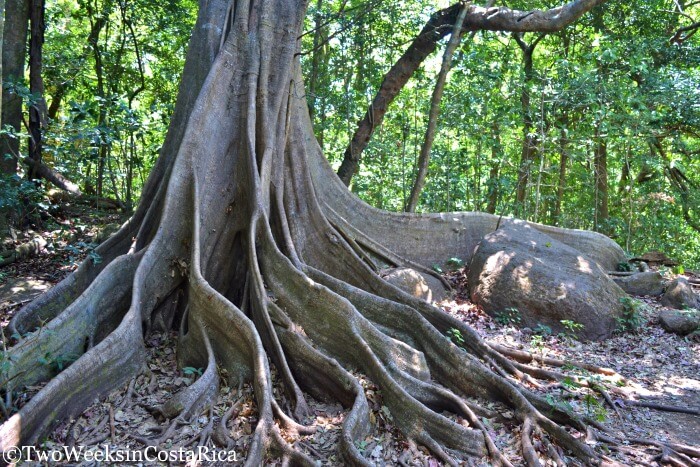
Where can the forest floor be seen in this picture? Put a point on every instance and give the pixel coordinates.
(650, 365)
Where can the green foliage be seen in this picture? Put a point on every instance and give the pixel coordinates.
(543, 330)
(509, 316)
(110, 106)
(76, 250)
(537, 342)
(559, 403)
(612, 77)
(191, 371)
(571, 329)
(19, 197)
(630, 319)
(594, 407)
(456, 336)
(57, 362)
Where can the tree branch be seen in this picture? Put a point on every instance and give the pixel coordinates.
(679, 37)
(505, 19)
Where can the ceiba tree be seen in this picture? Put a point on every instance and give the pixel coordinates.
(248, 243)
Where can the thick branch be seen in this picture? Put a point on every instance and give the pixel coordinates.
(45, 172)
(438, 26)
(505, 19)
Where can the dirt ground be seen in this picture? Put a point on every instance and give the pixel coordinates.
(650, 365)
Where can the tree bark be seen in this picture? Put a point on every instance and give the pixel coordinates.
(494, 184)
(41, 170)
(13, 53)
(98, 21)
(424, 158)
(37, 106)
(437, 27)
(682, 184)
(529, 147)
(561, 180)
(600, 166)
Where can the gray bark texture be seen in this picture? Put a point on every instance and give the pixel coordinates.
(13, 52)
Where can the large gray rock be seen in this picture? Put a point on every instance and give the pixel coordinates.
(545, 280)
(643, 283)
(679, 294)
(419, 285)
(680, 322)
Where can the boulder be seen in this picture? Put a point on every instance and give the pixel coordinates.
(520, 268)
(679, 294)
(681, 322)
(643, 283)
(419, 285)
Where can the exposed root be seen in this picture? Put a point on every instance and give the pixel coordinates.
(674, 453)
(527, 357)
(106, 366)
(663, 407)
(48, 305)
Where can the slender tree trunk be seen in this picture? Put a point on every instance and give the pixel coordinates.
(13, 59)
(529, 146)
(538, 189)
(56, 100)
(477, 176)
(98, 21)
(425, 43)
(493, 184)
(563, 162)
(600, 166)
(37, 108)
(424, 158)
(131, 158)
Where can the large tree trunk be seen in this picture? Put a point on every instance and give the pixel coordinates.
(269, 258)
(13, 51)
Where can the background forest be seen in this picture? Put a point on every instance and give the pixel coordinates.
(594, 127)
